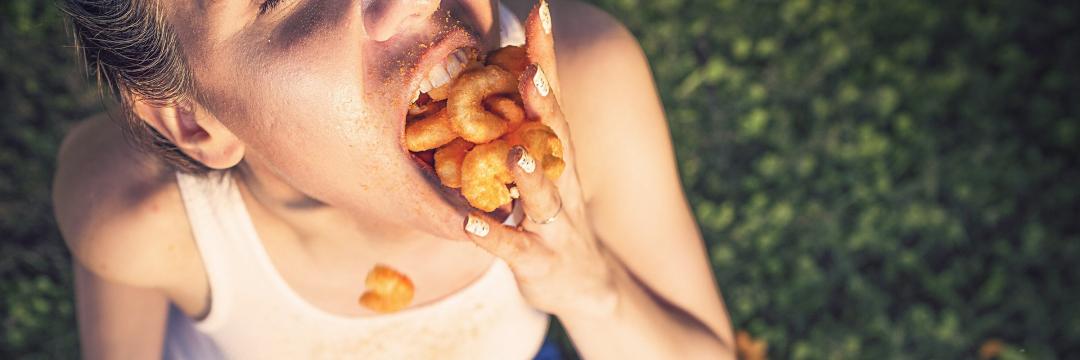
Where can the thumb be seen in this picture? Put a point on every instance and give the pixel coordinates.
(540, 42)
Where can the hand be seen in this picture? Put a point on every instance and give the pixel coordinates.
(559, 265)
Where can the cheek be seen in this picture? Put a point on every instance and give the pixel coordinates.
(296, 107)
(320, 130)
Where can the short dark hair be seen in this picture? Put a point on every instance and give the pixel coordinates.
(130, 49)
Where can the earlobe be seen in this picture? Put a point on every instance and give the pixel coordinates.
(193, 130)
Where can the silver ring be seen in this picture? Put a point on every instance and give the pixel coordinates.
(550, 219)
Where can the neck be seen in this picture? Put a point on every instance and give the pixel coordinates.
(284, 209)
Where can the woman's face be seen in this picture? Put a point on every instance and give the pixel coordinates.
(317, 90)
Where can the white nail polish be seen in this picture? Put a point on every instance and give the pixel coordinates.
(526, 163)
(540, 81)
(476, 226)
(545, 17)
(514, 193)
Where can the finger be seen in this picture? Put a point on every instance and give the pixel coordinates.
(541, 105)
(539, 196)
(535, 90)
(540, 42)
(510, 244)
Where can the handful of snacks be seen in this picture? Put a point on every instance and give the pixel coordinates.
(470, 124)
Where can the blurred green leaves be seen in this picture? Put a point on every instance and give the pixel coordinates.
(880, 179)
(874, 179)
(41, 92)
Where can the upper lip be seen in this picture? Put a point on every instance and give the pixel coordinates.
(433, 56)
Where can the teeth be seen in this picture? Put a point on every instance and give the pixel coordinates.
(438, 76)
(460, 56)
(425, 85)
(442, 74)
(453, 66)
(416, 96)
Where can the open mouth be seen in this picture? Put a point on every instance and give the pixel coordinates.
(436, 61)
(439, 138)
(431, 94)
(431, 89)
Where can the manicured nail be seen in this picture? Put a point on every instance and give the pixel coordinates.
(540, 81)
(476, 226)
(526, 162)
(514, 193)
(545, 17)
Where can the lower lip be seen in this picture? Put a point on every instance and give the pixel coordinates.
(452, 196)
(422, 163)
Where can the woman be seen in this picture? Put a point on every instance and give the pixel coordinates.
(277, 179)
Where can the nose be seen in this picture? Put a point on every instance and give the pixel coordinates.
(385, 18)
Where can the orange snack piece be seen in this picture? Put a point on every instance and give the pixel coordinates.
(510, 58)
(448, 161)
(430, 132)
(543, 144)
(387, 290)
(468, 118)
(508, 109)
(484, 176)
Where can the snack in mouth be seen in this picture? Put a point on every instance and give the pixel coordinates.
(473, 120)
(387, 290)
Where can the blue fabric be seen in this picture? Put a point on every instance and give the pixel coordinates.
(549, 351)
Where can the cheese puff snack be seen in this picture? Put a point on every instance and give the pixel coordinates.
(510, 58)
(508, 109)
(484, 176)
(542, 144)
(468, 117)
(448, 161)
(387, 290)
(429, 132)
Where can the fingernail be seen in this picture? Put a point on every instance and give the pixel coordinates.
(514, 193)
(545, 17)
(476, 226)
(540, 81)
(526, 162)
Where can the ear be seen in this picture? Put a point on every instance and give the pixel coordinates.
(193, 130)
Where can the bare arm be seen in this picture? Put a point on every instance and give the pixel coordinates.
(118, 321)
(669, 300)
(117, 216)
(624, 267)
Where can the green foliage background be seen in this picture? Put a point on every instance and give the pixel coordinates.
(874, 179)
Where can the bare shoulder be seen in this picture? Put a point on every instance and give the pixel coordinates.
(119, 210)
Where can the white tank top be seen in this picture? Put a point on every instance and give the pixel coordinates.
(254, 314)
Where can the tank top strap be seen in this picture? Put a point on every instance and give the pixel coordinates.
(511, 31)
(226, 240)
